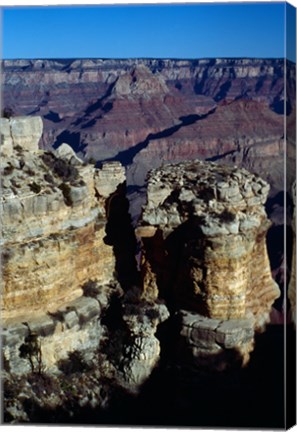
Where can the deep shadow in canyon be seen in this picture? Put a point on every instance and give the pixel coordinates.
(126, 156)
(120, 235)
(181, 396)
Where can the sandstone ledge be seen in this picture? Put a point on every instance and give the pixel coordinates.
(215, 343)
(74, 326)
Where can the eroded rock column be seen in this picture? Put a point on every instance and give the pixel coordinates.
(203, 232)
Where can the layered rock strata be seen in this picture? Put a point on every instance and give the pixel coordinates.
(53, 231)
(53, 218)
(67, 256)
(105, 108)
(203, 232)
(74, 327)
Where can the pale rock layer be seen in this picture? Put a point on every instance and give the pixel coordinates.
(20, 131)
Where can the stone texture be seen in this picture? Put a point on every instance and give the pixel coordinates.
(65, 151)
(210, 341)
(20, 131)
(6, 138)
(203, 232)
(76, 326)
(59, 334)
(209, 220)
(53, 244)
(53, 231)
(108, 178)
(142, 353)
(141, 82)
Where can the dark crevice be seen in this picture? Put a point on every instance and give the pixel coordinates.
(260, 83)
(224, 88)
(126, 156)
(199, 86)
(72, 139)
(281, 107)
(221, 156)
(120, 235)
(99, 104)
(53, 117)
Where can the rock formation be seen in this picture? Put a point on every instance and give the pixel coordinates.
(142, 111)
(53, 219)
(203, 232)
(71, 290)
(20, 131)
(67, 259)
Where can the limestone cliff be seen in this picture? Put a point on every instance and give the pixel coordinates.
(20, 131)
(67, 258)
(53, 218)
(203, 232)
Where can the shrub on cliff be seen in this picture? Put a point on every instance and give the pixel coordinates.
(60, 167)
(74, 363)
(31, 350)
(7, 112)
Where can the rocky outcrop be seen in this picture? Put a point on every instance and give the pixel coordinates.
(53, 218)
(140, 83)
(216, 344)
(203, 232)
(68, 256)
(53, 231)
(74, 327)
(20, 131)
(136, 349)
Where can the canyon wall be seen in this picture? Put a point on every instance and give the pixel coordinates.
(144, 111)
(75, 133)
(53, 217)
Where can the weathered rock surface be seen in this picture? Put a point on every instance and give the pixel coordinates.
(74, 327)
(203, 232)
(107, 179)
(20, 131)
(53, 221)
(214, 343)
(66, 255)
(141, 355)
